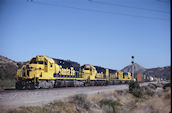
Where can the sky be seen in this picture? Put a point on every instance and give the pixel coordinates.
(98, 32)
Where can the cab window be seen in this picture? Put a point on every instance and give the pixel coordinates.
(86, 68)
(33, 61)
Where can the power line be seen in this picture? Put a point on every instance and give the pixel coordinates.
(163, 1)
(126, 6)
(95, 10)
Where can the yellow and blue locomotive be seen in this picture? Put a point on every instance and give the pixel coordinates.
(45, 72)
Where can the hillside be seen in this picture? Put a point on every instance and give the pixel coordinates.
(137, 68)
(8, 68)
(163, 72)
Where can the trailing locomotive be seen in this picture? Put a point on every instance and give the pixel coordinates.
(45, 72)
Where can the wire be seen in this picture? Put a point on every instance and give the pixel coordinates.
(163, 1)
(126, 6)
(95, 10)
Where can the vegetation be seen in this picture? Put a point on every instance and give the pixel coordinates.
(7, 83)
(109, 105)
(141, 92)
(5, 80)
(166, 85)
(2, 73)
(147, 91)
(135, 89)
(82, 100)
(55, 107)
(112, 102)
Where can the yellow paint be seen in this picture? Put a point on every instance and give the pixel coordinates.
(124, 76)
(45, 68)
(42, 67)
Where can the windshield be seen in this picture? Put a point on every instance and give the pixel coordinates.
(86, 68)
(33, 61)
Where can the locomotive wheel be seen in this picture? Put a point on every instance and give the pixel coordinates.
(32, 86)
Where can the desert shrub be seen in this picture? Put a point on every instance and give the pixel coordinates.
(135, 89)
(83, 101)
(166, 85)
(31, 109)
(55, 107)
(121, 92)
(167, 96)
(107, 108)
(2, 73)
(7, 83)
(109, 105)
(152, 86)
(159, 85)
(133, 85)
(148, 91)
(137, 92)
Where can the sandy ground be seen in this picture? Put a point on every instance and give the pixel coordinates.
(10, 99)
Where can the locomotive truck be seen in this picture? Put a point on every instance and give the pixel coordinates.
(44, 72)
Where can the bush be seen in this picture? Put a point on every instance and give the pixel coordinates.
(7, 83)
(166, 85)
(133, 85)
(135, 89)
(107, 108)
(152, 86)
(55, 107)
(137, 92)
(2, 73)
(148, 91)
(121, 92)
(110, 106)
(82, 100)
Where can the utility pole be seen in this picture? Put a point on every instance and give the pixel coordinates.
(132, 61)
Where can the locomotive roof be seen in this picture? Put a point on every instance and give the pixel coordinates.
(102, 69)
(67, 63)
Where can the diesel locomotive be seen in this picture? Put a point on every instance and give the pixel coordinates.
(45, 72)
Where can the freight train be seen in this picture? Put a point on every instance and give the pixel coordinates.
(45, 72)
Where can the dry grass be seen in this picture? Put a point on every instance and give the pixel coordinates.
(82, 101)
(110, 106)
(160, 102)
(7, 83)
(55, 107)
(109, 102)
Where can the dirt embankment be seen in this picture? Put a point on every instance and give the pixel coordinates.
(10, 99)
(156, 98)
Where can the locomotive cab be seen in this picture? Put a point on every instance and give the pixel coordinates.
(39, 68)
(88, 71)
(42, 67)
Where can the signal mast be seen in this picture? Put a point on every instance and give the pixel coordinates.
(132, 61)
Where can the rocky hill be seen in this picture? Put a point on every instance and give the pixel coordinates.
(163, 72)
(160, 72)
(137, 68)
(8, 68)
